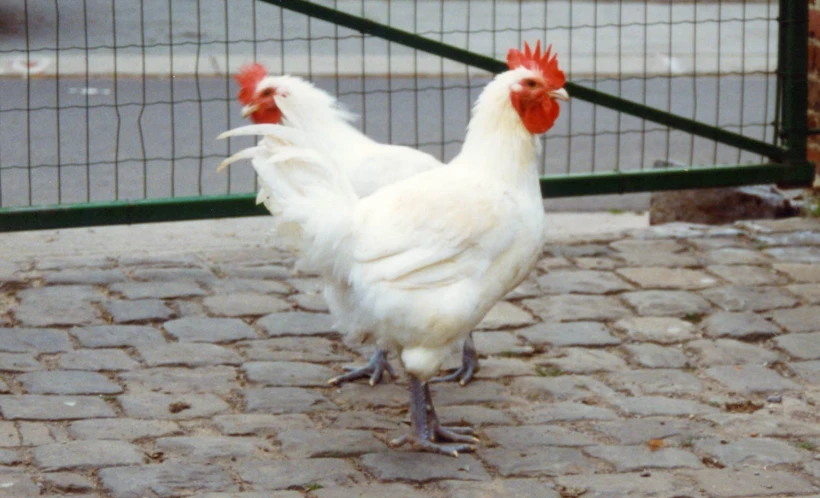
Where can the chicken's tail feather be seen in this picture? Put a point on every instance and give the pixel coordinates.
(310, 196)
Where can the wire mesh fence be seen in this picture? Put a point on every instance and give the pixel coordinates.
(106, 101)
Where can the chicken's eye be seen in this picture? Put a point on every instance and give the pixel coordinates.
(267, 92)
(530, 83)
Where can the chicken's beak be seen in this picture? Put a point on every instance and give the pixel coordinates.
(249, 109)
(559, 94)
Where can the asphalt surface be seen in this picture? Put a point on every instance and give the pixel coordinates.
(145, 138)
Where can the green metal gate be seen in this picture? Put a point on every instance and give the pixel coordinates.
(628, 109)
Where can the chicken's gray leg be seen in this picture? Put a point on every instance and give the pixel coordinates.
(469, 365)
(374, 369)
(426, 427)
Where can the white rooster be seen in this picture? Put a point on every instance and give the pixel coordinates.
(369, 165)
(417, 264)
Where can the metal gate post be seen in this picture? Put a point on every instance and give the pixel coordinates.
(793, 62)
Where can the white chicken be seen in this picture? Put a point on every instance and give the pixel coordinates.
(369, 165)
(417, 264)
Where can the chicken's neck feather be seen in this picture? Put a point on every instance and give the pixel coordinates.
(319, 115)
(497, 143)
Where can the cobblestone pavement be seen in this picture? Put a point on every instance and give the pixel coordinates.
(677, 361)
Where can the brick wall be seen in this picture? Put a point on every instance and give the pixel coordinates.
(813, 117)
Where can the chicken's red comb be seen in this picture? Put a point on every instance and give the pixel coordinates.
(535, 61)
(248, 77)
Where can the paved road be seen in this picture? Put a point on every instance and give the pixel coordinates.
(671, 361)
(606, 37)
(129, 141)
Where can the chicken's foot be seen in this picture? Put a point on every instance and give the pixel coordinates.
(374, 369)
(428, 431)
(469, 365)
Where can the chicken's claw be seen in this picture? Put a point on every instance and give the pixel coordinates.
(374, 369)
(421, 444)
(469, 365)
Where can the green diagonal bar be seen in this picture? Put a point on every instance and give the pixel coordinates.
(489, 64)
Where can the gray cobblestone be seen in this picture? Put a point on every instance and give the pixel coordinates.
(661, 405)
(38, 407)
(637, 431)
(295, 323)
(668, 278)
(213, 379)
(663, 330)
(808, 370)
(67, 482)
(23, 340)
(576, 307)
(207, 448)
(801, 346)
(640, 457)
(97, 359)
(18, 362)
(138, 310)
(273, 272)
(799, 272)
(171, 406)
(747, 326)
(739, 298)
(537, 462)
(731, 352)
(422, 467)
(528, 436)
(751, 451)
(745, 483)
(810, 293)
(245, 304)
(287, 373)
(62, 263)
(113, 336)
(188, 354)
(82, 455)
(505, 343)
(735, 256)
(308, 302)
(165, 480)
(654, 356)
(288, 474)
(667, 303)
(67, 382)
(569, 334)
(122, 428)
(562, 388)
(750, 379)
(17, 484)
(329, 443)
(8, 435)
(657, 381)
(565, 411)
(302, 348)
(656, 485)
(158, 290)
(583, 361)
(39, 433)
(747, 275)
(371, 491)
(173, 274)
(801, 319)
(204, 329)
(275, 400)
(58, 305)
(258, 286)
(795, 254)
(581, 282)
(86, 276)
(505, 315)
(474, 415)
(260, 423)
